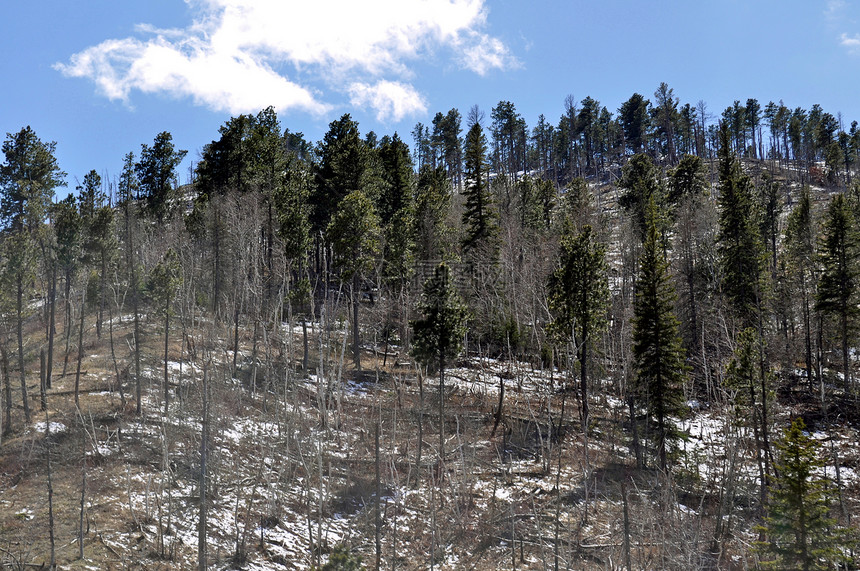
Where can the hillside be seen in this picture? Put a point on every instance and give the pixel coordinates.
(300, 464)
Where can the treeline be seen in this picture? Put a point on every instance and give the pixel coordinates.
(589, 140)
(597, 248)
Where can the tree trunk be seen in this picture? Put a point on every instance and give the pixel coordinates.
(7, 389)
(441, 411)
(627, 562)
(51, 327)
(137, 383)
(583, 377)
(80, 347)
(305, 348)
(377, 516)
(807, 337)
(166, 339)
(356, 343)
(420, 422)
(204, 452)
(67, 323)
(83, 509)
(20, 328)
(50, 492)
(102, 287)
(113, 358)
(43, 397)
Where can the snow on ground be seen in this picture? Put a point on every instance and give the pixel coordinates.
(54, 427)
(270, 463)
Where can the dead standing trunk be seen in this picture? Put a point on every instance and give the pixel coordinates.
(356, 342)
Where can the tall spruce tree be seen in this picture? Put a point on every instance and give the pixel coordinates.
(837, 286)
(800, 533)
(479, 216)
(739, 242)
(579, 300)
(657, 352)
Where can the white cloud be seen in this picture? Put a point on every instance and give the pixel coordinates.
(850, 42)
(392, 100)
(233, 56)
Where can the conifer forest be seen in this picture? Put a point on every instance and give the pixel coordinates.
(624, 340)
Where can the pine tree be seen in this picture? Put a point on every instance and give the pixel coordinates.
(641, 181)
(343, 161)
(224, 163)
(432, 204)
(837, 286)
(28, 177)
(739, 242)
(801, 535)
(633, 115)
(479, 216)
(395, 207)
(687, 179)
(438, 333)
(657, 352)
(665, 118)
(579, 300)
(354, 234)
(687, 191)
(156, 174)
(770, 211)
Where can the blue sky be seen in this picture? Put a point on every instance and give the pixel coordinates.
(100, 77)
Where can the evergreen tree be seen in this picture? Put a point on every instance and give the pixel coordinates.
(479, 216)
(397, 216)
(579, 300)
(837, 285)
(688, 191)
(341, 559)
(657, 352)
(642, 181)
(432, 204)
(633, 116)
(752, 116)
(739, 242)
(354, 235)
(801, 535)
(343, 161)
(128, 190)
(665, 118)
(28, 177)
(225, 163)
(438, 333)
(686, 179)
(156, 174)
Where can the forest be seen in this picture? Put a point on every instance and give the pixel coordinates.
(623, 341)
